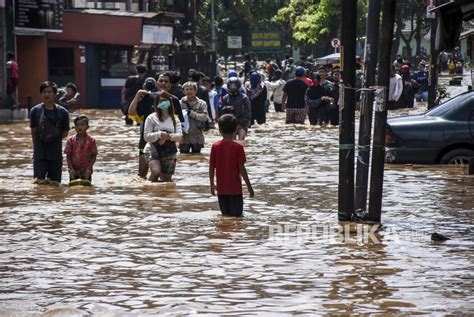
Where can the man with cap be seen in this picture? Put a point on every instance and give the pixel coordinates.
(293, 100)
(129, 90)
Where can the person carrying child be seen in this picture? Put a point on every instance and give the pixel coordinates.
(227, 164)
(81, 151)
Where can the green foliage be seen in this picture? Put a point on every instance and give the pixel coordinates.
(312, 21)
(237, 17)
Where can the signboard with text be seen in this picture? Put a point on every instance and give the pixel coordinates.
(265, 41)
(154, 34)
(234, 42)
(41, 15)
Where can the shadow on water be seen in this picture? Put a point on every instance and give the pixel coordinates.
(126, 246)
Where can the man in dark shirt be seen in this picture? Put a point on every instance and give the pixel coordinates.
(133, 84)
(324, 109)
(49, 124)
(293, 98)
(164, 84)
(422, 76)
(176, 89)
(142, 106)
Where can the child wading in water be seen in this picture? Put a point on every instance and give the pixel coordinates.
(228, 159)
(81, 151)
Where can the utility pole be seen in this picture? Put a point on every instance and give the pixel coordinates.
(365, 128)
(433, 62)
(347, 124)
(213, 30)
(380, 125)
(3, 55)
(193, 24)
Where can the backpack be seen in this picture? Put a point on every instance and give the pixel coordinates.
(48, 132)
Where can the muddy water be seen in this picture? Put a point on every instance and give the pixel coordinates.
(126, 246)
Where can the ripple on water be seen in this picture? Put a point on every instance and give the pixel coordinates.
(126, 247)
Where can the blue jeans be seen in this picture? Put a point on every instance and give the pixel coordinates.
(423, 96)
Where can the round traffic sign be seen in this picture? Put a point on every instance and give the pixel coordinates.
(335, 42)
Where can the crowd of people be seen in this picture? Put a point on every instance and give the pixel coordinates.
(406, 86)
(169, 112)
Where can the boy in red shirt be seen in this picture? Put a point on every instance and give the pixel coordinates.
(81, 151)
(227, 160)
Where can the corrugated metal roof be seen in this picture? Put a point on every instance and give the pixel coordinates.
(119, 13)
(146, 15)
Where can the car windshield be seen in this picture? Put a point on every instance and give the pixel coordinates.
(449, 106)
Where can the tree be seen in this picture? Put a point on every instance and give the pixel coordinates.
(315, 21)
(236, 17)
(411, 13)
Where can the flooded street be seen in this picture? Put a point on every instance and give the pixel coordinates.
(125, 245)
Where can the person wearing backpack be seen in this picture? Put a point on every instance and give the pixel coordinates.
(49, 125)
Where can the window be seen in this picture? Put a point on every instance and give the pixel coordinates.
(115, 61)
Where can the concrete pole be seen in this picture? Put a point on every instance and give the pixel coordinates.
(213, 29)
(366, 113)
(380, 124)
(347, 124)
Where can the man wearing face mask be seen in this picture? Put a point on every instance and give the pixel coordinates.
(238, 104)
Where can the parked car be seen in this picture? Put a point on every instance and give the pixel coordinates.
(443, 135)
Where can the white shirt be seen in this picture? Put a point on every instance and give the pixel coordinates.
(212, 95)
(277, 88)
(396, 88)
(154, 129)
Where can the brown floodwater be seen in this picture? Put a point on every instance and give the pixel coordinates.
(126, 247)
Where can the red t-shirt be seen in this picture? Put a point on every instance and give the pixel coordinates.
(13, 66)
(227, 157)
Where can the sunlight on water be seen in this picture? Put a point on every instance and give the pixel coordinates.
(126, 247)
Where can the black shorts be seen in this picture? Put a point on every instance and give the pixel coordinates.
(231, 205)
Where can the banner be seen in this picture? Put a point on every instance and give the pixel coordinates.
(40, 15)
(266, 41)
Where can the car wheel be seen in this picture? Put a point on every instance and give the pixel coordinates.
(457, 157)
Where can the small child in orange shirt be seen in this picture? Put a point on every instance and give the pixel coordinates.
(81, 151)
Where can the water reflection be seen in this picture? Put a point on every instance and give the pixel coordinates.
(125, 246)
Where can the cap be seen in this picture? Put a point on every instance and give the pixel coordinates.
(299, 71)
(164, 105)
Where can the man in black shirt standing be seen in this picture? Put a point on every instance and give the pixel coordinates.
(133, 84)
(293, 98)
(49, 125)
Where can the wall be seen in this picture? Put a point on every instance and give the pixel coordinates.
(97, 28)
(32, 56)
